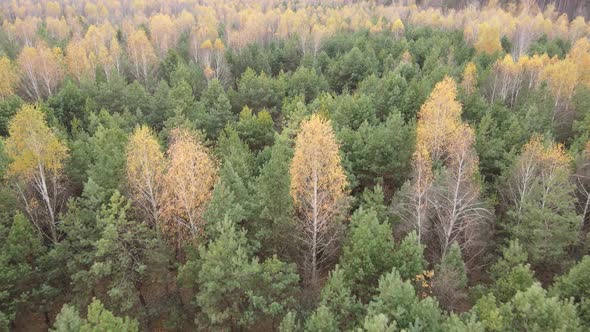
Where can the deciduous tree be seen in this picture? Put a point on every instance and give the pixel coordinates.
(141, 55)
(540, 201)
(188, 183)
(145, 172)
(37, 165)
(10, 78)
(318, 188)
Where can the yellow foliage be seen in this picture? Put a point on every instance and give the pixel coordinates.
(580, 56)
(32, 146)
(488, 39)
(188, 183)
(469, 78)
(9, 77)
(145, 170)
(77, 61)
(562, 77)
(318, 181)
(438, 118)
(397, 27)
(141, 54)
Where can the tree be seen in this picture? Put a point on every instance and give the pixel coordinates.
(145, 172)
(397, 300)
(37, 163)
(575, 284)
(321, 320)
(511, 273)
(10, 78)
(99, 319)
(107, 152)
(438, 119)
(273, 200)
(408, 258)
(534, 310)
(562, 78)
(488, 39)
(460, 215)
(318, 188)
(450, 279)
(124, 251)
(350, 69)
(256, 130)
(258, 291)
(337, 296)
(469, 78)
(367, 254)
(41, 68)
(141, 55)
(188, 183)
(540, 201)
(163, 33)
(78, 63)
(446, 208)
(20, 273)
(214, 109)
(580, 56)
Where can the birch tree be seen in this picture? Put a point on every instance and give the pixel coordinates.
(36, 169)
(318, 188)
(188, 183)
(145, 172)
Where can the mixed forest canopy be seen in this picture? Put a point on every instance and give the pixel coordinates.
(294, 165)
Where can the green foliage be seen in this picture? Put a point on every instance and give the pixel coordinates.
(259, 92)
(99, 319)
(350, 69)
(306, 82)
(338, 298)
(511, 274)
(123, 253)
(576, 285)
(397, 300)
(321, 320)
(533, 310)
(454, 261)
(107, 152)
(257, 131)
(19, 271)
(274, 204)
(368, 253)
(258, 291)
(408, 258)
(381, 152)
(213, 110)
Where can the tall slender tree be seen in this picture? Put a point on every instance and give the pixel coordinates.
(318, 188)
(37, 167)
(145, 171)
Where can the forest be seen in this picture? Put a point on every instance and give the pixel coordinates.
(294, 165)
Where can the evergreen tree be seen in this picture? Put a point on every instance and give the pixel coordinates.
(20, 273)
(397, 300)
(511, 274)
(367, 254)
(99, 319)
(408, 258)
(321, 320)
(576, 285)
(213, 110)
(338, 298)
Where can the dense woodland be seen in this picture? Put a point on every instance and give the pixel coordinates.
(294, 165)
